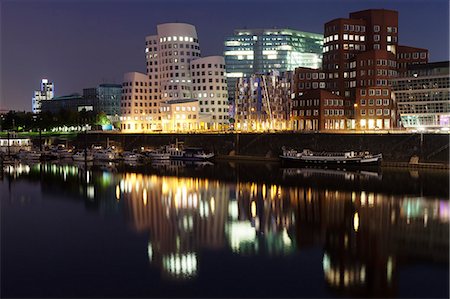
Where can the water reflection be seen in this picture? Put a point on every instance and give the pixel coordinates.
(366, 236)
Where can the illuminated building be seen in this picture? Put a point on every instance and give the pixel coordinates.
(180, 115)
(319, 110)
(47, 92)
(209, 86)
(258, 51)
(136, 112)
(173, 75)
(168, 55)
(263, 102)
(422, 96)
(361, 58)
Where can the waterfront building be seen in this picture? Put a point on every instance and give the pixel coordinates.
(109, 96)
(263, 102)
(180, 115)
(422, 96)
(257, 51)
(319, 110)
(171, 72)
(168, 55)
(45, 93)
(137, 112)
(70, 103)
(209, 86)
(361, 58)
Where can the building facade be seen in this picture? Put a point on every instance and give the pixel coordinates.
(46, 92)
(109, 96)
(168, 55)
(180, 115)
(422, 96)
(137, 112)
(361, 58)
(263, 102)
(209, 86)
(259, 51)
(72, 103)
(319, 110)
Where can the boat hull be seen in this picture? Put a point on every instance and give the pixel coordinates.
(327, 161)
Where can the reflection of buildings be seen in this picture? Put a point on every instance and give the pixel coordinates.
(182, 215)
(367, 236)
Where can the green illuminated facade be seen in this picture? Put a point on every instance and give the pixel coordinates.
(256, 51)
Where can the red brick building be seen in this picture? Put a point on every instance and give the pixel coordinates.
(361, 55)
(319, 110)
(409, 56)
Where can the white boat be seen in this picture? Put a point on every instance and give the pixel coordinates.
(351, 158)
(130, 157)
(159, 154)
(80, 157)
(189, 154)
(29, 155)
(64, 153)
(105, 155)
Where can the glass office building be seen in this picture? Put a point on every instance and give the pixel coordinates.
(422, 96)
(259, 51)
(109, 99)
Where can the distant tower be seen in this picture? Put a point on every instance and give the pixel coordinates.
(45, 93)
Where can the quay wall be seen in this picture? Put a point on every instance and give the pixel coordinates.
(432, 148)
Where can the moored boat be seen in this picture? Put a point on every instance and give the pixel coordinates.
(350, 158)
(80, 156)
(104, 154)
(29, 155)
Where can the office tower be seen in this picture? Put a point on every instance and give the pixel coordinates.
(258, 51)
(422, 96)
(45, 93)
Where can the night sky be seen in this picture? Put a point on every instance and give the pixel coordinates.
(80, 44)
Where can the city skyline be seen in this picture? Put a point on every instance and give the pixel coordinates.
(98, 27)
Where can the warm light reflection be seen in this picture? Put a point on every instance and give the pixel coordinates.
(356, 222)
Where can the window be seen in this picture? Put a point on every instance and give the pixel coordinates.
(376, 28)
(376, 38)
(363, 102)
(363, 111)
(376, 46)
(379, 112)
(386, 111)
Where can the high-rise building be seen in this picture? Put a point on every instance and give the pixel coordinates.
(422, 96)
(361, 57)
(168, 55)
(45, 93)
(263, 102)
(171, 72)
(209, 86)
(258, 51)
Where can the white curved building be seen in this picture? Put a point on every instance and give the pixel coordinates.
(137, 115)
(209, 86)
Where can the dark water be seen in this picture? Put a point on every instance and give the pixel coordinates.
(224, 230)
